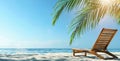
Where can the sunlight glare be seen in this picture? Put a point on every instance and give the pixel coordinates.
(106, 2)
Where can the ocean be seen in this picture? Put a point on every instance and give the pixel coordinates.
(41, 50)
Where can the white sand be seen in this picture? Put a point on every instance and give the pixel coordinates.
(54, 57)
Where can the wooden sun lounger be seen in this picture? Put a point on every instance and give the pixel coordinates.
(101, 44)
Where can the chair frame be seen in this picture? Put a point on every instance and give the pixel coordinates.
(95, 49)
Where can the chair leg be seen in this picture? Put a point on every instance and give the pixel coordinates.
(73, 53)
(79, 52)
(85, 53)
(95, 53)
(110, 54)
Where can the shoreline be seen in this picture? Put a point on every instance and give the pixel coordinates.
(54, 57)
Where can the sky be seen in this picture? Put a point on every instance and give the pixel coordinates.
(28, 24)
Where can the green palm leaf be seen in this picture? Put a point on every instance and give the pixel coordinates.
(91, 12)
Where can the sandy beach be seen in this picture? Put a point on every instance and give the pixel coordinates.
(54, 57)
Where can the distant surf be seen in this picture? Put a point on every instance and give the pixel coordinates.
(41, 50)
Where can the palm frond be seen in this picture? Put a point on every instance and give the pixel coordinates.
(68, 5)
(115, 10)
(88, 18)
(79, 23)
(59, 7)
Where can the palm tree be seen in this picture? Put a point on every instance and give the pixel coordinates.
(89, 15)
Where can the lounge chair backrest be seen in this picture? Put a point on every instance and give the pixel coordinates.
(104, 39)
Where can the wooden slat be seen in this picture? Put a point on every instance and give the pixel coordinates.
(105, 37)
(108, 31)
(101, 43)
(103, 40)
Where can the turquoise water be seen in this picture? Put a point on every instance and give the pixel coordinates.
(41, 50)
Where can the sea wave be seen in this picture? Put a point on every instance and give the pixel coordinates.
(42, 50)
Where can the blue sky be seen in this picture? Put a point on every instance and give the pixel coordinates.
(28, 24)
